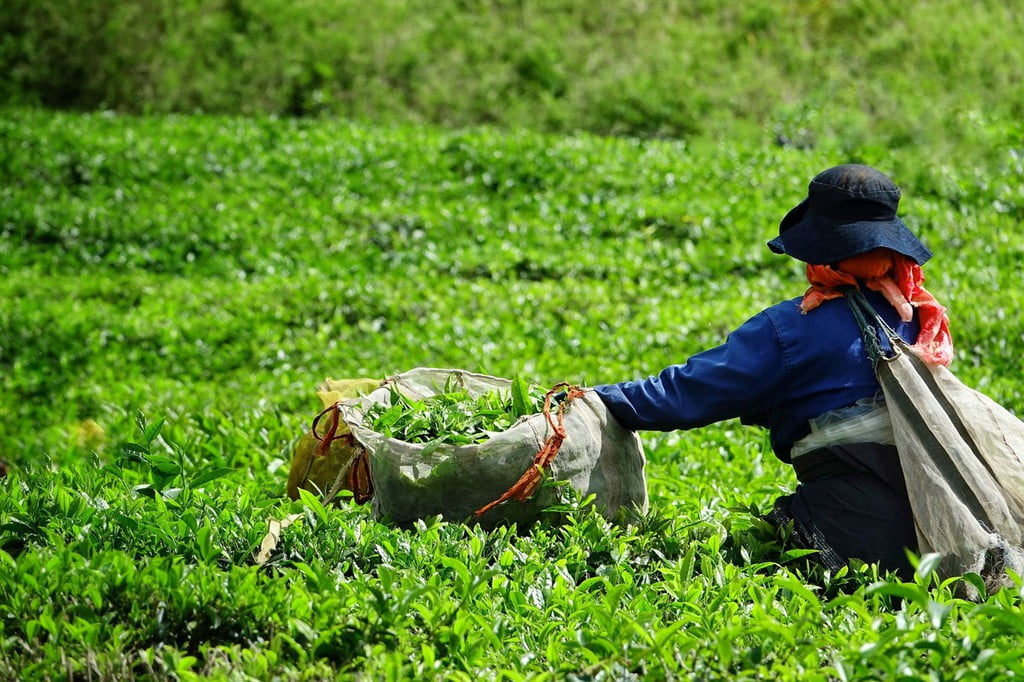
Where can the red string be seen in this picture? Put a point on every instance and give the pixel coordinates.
(332, 430)
(527, 484)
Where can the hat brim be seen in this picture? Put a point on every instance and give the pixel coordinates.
(818, 243)
(794, 216)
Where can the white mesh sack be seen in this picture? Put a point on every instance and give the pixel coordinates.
(962, 456)
(595, 455)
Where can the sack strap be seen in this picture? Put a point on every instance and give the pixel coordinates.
(898, 397)
(874, 334)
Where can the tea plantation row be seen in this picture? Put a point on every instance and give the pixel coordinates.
(173, 288)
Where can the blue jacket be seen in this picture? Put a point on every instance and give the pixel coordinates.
(778, 370)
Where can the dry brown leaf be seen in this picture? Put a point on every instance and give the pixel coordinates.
(272, 537)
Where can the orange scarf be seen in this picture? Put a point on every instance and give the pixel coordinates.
(900, 280)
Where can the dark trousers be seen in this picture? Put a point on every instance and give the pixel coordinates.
(852, 503)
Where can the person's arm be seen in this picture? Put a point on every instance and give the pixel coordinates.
(745, 375)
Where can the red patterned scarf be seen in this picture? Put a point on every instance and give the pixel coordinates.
(900, 280)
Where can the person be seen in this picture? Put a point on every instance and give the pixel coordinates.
(800, 369)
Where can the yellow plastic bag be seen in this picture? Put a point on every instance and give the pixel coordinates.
(340, 466)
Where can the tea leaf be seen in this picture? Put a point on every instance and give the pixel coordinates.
(210, 474)
(452, 416)
(520, 397)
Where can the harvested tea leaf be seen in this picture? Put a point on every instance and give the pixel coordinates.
(521, 397)
(454, 416)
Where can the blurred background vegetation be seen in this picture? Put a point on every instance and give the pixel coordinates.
(935, 73)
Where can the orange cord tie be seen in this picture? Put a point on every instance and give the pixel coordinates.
(523, 489)
(358, 478)
(332, 430)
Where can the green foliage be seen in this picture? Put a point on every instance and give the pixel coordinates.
(452, 415)
(524, 399)
(209, 272)
(799, 73)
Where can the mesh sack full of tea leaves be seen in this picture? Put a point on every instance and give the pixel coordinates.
(470, 446)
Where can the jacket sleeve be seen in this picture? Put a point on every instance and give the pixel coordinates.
(745, 375)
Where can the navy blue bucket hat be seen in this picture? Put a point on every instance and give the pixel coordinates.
(849, 210)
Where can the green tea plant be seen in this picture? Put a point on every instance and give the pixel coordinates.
(454, 416)
(792, 74)
(173, 289)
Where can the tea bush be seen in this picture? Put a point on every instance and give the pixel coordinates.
(173, 288)
(893, 75)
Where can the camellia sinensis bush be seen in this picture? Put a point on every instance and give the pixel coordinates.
(173, 290)
(792, 73)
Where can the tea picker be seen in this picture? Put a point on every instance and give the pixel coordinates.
(805, 369)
